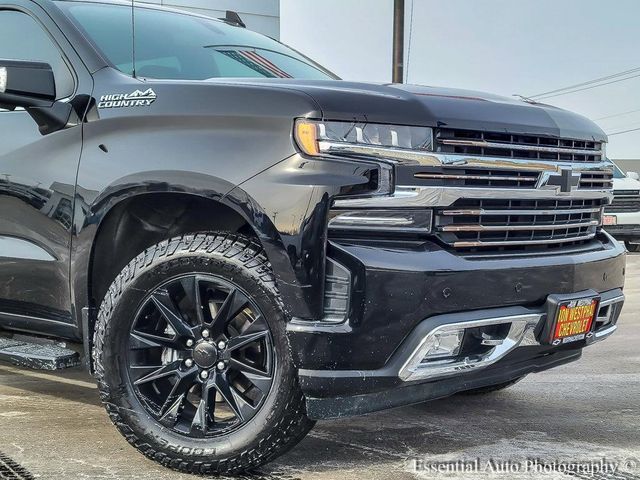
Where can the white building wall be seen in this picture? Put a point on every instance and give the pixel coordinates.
(352, 38)
(260, 15)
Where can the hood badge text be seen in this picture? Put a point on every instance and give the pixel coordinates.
(123, 100)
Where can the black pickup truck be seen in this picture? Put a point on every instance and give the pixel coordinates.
(237, 243)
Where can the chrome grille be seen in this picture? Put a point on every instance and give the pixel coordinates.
(624, 201)
(513, 224)
(497, 144)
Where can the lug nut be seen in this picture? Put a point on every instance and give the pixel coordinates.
(222, 345)
(221, 365)
(188, 363)
(189, 343)
(205, 333)
(204, 375)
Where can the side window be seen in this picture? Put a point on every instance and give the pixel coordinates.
(23, 38)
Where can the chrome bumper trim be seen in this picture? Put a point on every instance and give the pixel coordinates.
(411, 196)
(401, 156)
(521, 333)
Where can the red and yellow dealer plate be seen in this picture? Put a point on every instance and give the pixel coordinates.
(574, 320)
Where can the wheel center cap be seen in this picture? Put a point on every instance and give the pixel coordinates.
(205, 355)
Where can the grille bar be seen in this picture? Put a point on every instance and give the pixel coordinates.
(482, 211)
(510, 146)
(551, 241)
(490, 178)
(514, 228)
(496, 177)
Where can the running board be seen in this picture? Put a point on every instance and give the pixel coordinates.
(25, 352)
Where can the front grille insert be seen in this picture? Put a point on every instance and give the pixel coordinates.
(596, 180)
(475, 177)
(494, 178)
(481, 224)
(499, 144)
(624, 201)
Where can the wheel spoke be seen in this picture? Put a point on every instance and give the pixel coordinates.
(244, 367)
(170, 312)
(191, 287)
(181, 387)
(162, 372)
(232, 305)
(140, 371)
(241, 340)
(236, 403)
(261, 382)
(170, 418)
(258, 325)
(142, 340)
(199, 424)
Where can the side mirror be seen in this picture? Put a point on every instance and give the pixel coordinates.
(32, 86)
(633, 175)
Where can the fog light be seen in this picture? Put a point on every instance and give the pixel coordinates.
(385, 220)
(444, 345)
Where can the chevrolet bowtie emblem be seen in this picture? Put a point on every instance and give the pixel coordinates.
(563, 182)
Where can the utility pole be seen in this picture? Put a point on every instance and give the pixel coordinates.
(398, 42)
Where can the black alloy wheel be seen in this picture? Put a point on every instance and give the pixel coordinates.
(200, 356)
(192, 358)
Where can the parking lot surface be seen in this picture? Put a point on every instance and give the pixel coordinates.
(54, 427)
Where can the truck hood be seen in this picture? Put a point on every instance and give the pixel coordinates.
(433, 106)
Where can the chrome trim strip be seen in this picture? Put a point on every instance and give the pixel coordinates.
(611, 301)
(482, 211)
(517, 146)
(508, 228)
(518, 242)
(473, 177)
(414, 196)
(602, 334)
(434, 159)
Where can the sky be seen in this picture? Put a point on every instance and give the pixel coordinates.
(507, 47)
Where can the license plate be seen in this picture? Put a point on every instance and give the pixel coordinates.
(574, 319)
(610, 220)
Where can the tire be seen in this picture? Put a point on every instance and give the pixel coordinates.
(265, 416)
(633, 247)
(491, 388)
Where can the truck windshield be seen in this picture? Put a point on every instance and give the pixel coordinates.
(179, 46)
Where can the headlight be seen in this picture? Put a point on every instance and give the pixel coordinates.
(374, 143)
(361, 139)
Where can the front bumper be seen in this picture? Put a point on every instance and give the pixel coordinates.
(402, 291)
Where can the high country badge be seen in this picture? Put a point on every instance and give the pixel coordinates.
(123, 100)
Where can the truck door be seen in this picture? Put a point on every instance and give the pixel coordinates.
(37, 188)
